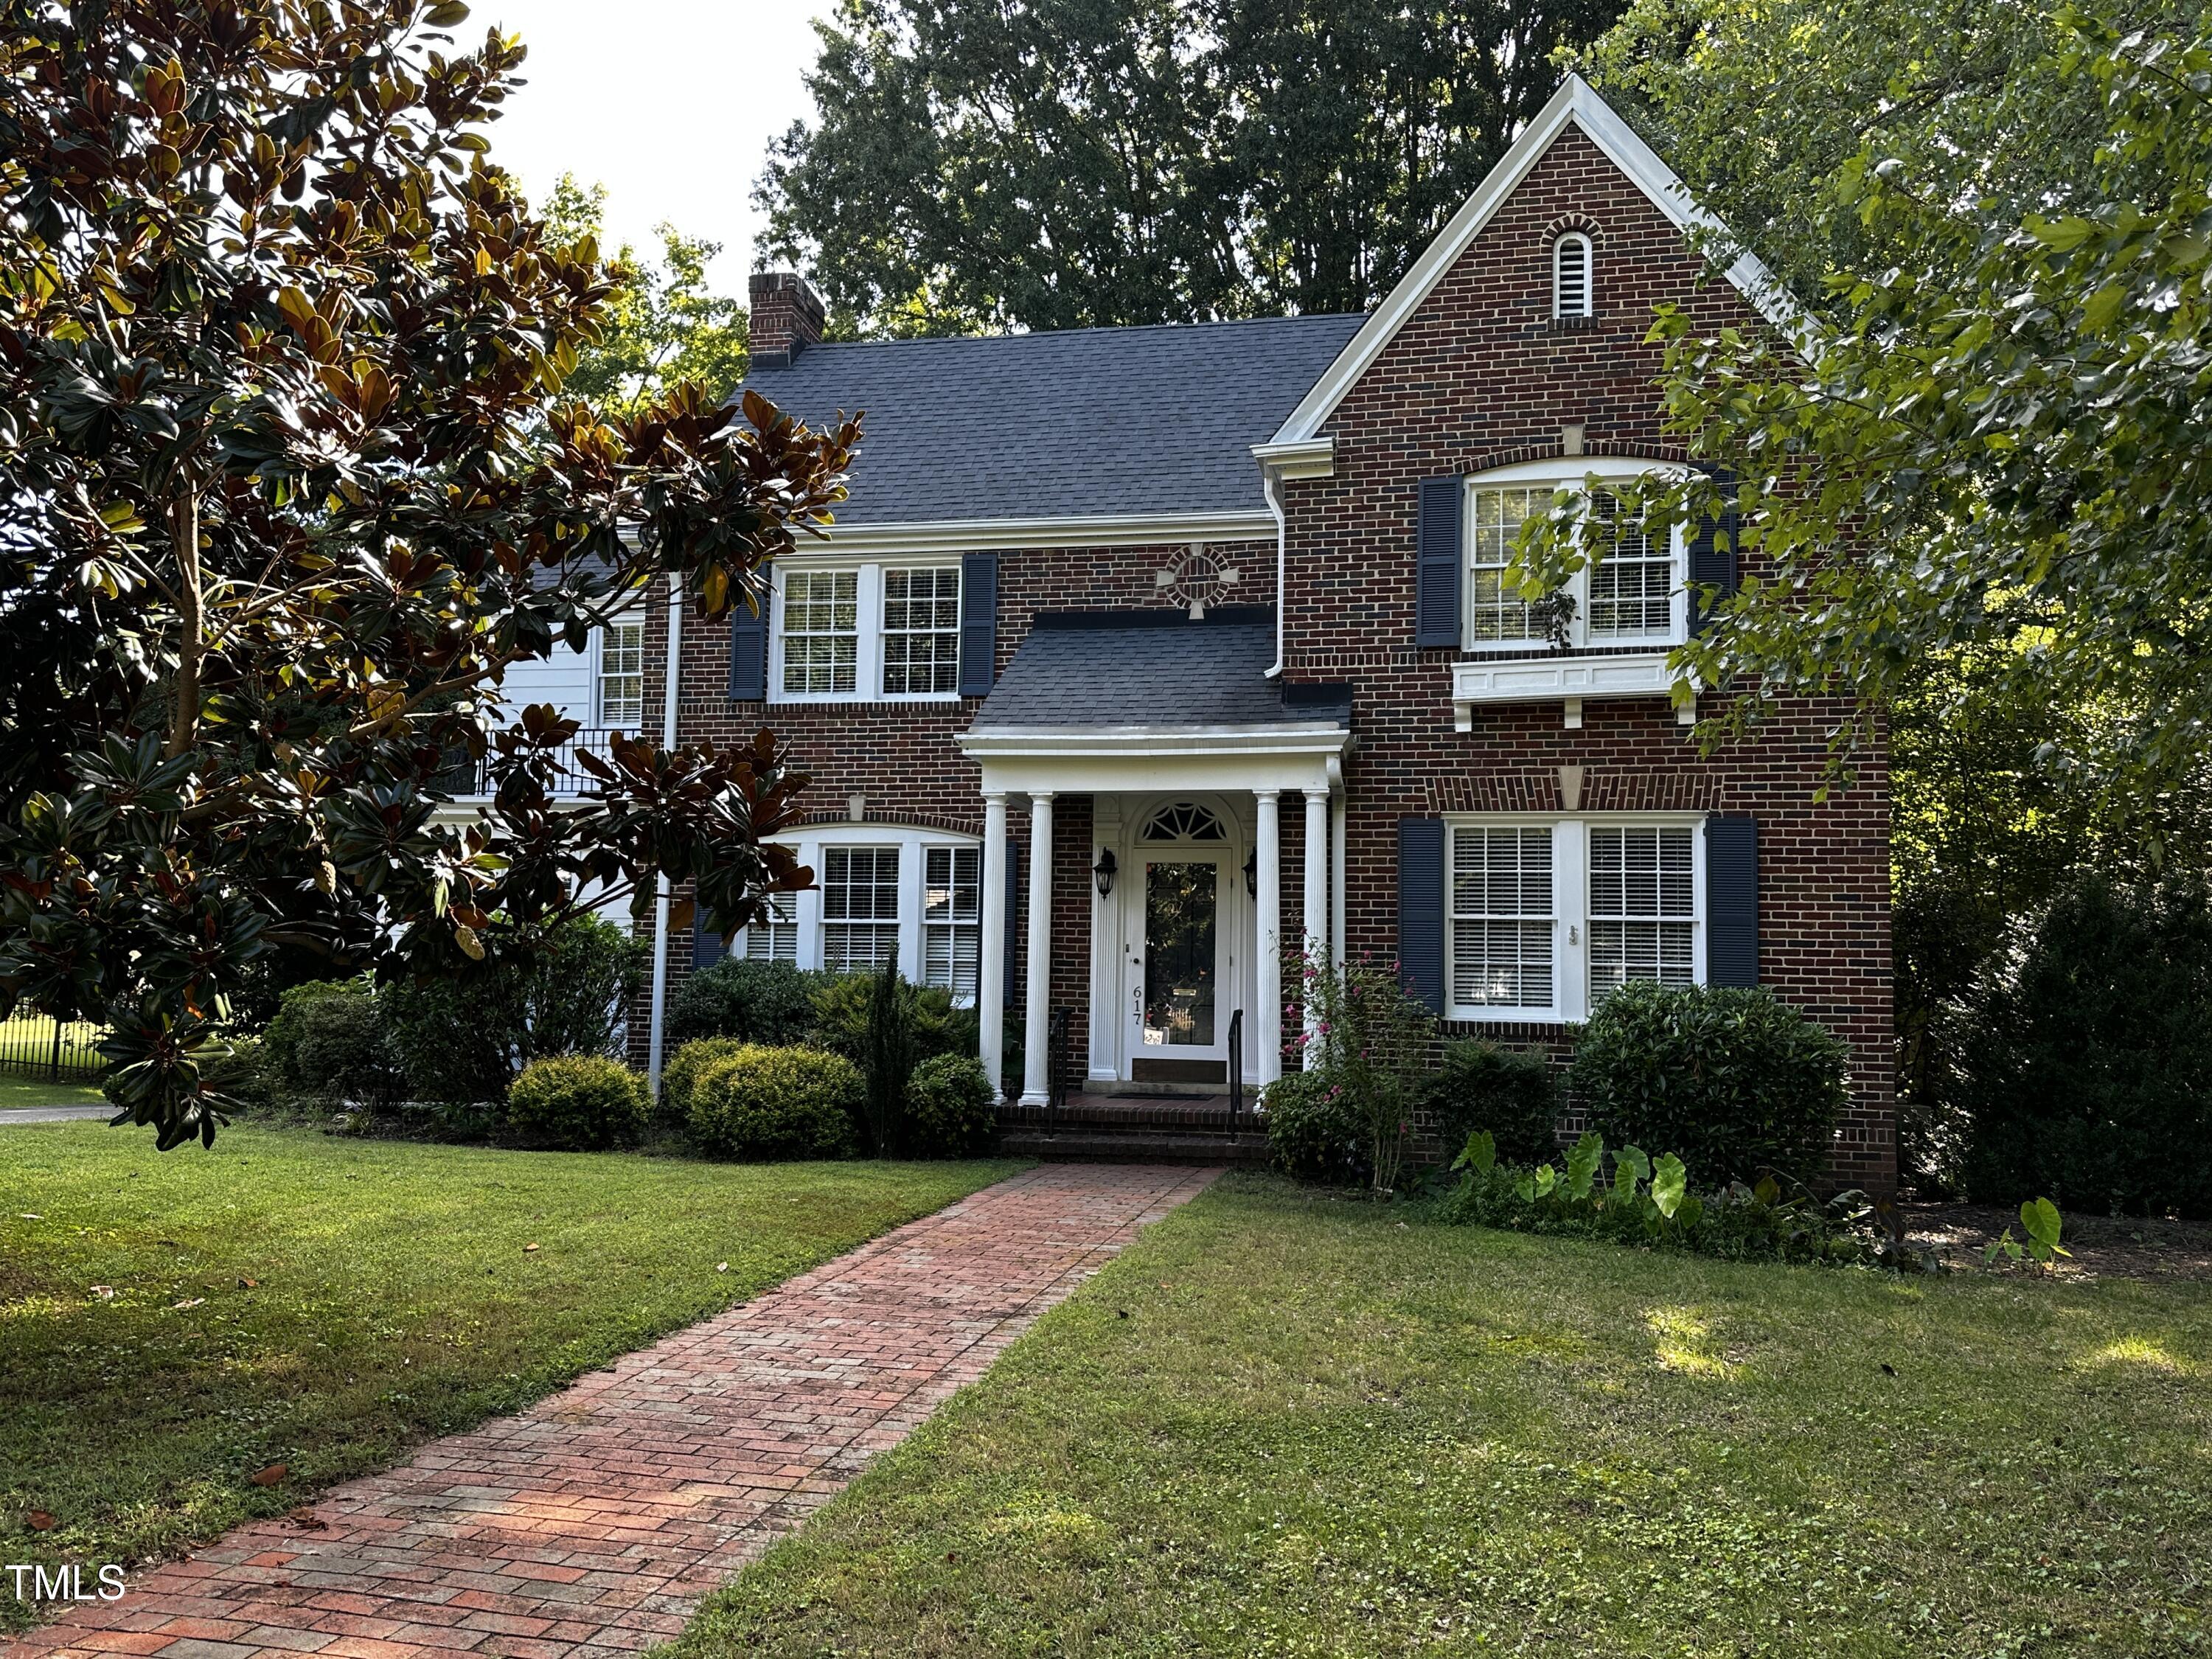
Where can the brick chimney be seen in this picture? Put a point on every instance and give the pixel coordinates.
(787, 318)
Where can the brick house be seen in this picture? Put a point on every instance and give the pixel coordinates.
(1153, 653)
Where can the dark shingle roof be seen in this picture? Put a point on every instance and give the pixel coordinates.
(1147, 668)
(1061, 425)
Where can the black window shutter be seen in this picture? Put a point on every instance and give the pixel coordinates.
(1013, 913)
(1712, 551)
(1437, 556)
(1731, 901)
(706, 945)
(749, 654)
(1421, 909)
(979, 623)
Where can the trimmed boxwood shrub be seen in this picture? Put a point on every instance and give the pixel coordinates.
(580, 1101)
(1732, 1081)
(680, 1074)
(765, 1002)
(1513, 1094)
(948, 1108)
(1313, 1132)
(763, 1102)
(2083, 1069)
(328, 1042)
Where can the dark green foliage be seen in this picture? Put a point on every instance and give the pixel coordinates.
(1733, 1079)
(887, 1027)
(680, 1074)
(948, 1108)
(888, 1059)
(1737, 1223)
(1313, 1132)
(462, 1037)
(328, 1042)
(243, 1076)
(582, 1103)
(778, 1102)
(2085, 1057)
(1513, 1094)
(769, 1002)
(976, 167)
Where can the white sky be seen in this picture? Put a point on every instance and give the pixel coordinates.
(670, 104)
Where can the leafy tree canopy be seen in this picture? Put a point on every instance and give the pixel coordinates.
(662, 324)
(984, 164)
(1993, 437)
(286, 484)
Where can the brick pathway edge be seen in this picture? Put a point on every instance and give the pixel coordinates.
(594, 1522)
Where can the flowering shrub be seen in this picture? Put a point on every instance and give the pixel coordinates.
(1372, 1042)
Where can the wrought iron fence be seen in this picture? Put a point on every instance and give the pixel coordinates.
(33, 1045)
(470, 776)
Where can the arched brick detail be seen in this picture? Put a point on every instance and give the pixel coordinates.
(950, 826)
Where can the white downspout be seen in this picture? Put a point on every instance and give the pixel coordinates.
(671, 685)
(1272, 484)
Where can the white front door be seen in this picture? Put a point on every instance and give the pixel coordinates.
(1179, 998)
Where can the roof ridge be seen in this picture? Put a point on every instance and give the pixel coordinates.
(1010, 335)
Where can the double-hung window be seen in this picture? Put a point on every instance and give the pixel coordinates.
(772, 935)
(859, 633)
(859, 908)
(951, 914)
(1546, 918)
(1631, 593)
(621, 680)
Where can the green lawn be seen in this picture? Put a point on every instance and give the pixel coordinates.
(391, 1298)
(1284, 1424)
(17, 1091)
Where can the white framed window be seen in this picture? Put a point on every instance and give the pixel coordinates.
(951, 917)
(619, 691)
(1632, 594)
(771, 937)
(865, 633)
(859, 908)
(1503, 919)
(921, 631)
(1643, 905)
(821, 654)
(1573, 277)
(1547, 916)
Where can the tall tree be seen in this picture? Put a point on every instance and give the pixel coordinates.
(662, 324)
(982, 164)
(286, 485)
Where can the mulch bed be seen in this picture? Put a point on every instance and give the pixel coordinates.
(2104, 1247)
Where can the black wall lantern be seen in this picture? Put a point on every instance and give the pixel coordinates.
(1252, 875)
(1102, 872)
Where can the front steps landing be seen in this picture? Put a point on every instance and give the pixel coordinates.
(1135, 1129)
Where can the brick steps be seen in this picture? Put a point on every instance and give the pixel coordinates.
(1135, 1129)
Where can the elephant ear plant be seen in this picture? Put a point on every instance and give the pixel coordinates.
(288, 482)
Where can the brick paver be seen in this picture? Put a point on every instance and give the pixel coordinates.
(593, 1524)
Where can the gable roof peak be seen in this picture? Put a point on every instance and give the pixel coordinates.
(1578, 104)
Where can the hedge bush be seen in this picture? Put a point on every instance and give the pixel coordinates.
(583, 1103)
(770, 1003)
(1731, 1080)
(763, 1103)
(328, 1042)
(1513, 1094)
(2084, 1056)
(680, 1074)
(1313, 1132)
(948, 1108)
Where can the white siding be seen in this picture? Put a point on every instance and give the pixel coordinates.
(564, 679)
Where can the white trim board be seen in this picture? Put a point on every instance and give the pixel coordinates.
(1576, 102)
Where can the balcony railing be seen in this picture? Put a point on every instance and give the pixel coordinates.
(468, 776)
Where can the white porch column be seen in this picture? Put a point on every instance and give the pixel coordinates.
(1315, 948)
(1269, 869)
(1035, 1031)
(991, 956)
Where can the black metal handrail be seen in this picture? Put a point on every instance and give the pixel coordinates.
(1235, 1072)
(1055, 1069)
(472, 776)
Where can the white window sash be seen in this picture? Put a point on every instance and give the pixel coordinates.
(870, 643)
(1580, 633)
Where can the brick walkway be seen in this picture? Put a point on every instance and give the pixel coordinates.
(593, 1524)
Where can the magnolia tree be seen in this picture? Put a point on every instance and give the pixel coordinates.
(287, 483)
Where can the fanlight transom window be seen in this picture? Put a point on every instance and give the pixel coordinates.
(1571, 276)
(1184, 821)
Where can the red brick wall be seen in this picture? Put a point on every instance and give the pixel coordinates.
(1479, 377)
